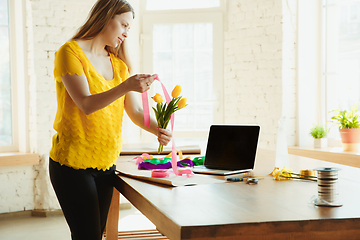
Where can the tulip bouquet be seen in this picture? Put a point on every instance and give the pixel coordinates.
(164, 110)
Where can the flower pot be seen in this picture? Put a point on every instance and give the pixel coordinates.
(350, 135)
(320, 142)
(350, 138)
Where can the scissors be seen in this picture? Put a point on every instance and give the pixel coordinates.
(248, 180)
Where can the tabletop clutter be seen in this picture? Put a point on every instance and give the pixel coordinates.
(327, 178)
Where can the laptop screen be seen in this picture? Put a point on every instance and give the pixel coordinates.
(232, 147)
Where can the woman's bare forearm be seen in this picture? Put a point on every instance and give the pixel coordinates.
(78, 89)
(95, 102)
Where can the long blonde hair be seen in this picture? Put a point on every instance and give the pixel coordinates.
(100, 15)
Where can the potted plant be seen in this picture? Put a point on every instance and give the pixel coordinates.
(319, 133)
(349, 127)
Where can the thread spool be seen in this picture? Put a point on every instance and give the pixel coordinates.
(328, 190)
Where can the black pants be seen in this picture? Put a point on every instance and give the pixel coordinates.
(85, 197)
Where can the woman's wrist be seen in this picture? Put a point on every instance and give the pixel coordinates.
(124, 86)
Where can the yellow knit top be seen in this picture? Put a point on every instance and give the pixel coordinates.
(86, 141)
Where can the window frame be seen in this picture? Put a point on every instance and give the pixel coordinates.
(18, 75)
(221, 8)
(213, 15)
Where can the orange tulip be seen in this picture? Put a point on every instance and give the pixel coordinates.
(182, 103)
(158, 98)
(176, 92)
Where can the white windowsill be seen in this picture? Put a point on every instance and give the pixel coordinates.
(330, 154)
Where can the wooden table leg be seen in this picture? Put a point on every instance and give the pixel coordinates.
(113, 217)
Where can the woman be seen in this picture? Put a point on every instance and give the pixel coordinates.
(93, 88)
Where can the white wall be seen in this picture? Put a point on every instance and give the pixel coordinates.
(53, 23)
(259, 73)
(260, 60)
(49, 24)
(16, 188)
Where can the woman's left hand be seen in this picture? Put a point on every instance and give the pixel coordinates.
(164, 136)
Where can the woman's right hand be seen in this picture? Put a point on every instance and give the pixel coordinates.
(140, 82)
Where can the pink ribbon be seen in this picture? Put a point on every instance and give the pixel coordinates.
(140, 159)
(172, 120)
(145, 102)
(159, 173)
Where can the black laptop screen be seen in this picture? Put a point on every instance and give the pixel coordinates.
(232, 147)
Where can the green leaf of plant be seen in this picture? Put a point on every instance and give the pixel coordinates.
(318, 131)
(158, 107)
(156, 113)
(347, 119)
(163, 108)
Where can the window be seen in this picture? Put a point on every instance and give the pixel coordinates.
(182, 54)
(341, 55)
(6, 127)
(13, 88)
(185, 47)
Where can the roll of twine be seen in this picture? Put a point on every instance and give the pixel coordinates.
(328, 190)
(307, 173)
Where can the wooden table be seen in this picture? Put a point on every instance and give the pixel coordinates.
(236, 210)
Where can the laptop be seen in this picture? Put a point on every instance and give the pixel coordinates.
(231, 149)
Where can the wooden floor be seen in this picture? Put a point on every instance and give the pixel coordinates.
(55, 227)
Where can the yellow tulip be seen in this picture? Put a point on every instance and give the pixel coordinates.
(158, 98)
(176, 92)
(182, 103)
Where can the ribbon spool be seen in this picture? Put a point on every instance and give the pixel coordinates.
(328, 190)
